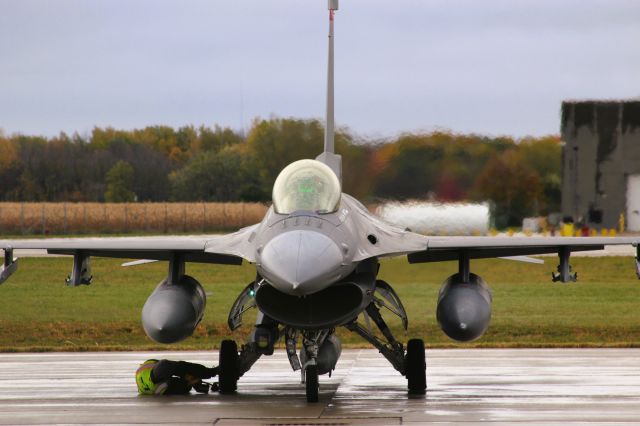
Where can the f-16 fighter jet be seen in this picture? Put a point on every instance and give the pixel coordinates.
(316, 254)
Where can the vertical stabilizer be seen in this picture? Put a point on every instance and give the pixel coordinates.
(328, 156)
(329, 129)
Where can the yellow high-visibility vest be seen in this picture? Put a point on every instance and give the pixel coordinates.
(146, 386)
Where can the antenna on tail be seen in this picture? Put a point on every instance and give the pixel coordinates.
(328, 156)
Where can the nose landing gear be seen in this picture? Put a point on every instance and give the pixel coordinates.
(311, 383)
(312, 341)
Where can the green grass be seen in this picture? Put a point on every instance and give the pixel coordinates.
(38, 312)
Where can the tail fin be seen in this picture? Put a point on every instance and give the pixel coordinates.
(329, 156)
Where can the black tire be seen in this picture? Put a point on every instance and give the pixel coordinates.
(311, 381)
(416, 367)
(228, 373)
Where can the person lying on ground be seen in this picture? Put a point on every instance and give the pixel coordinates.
(166, 377)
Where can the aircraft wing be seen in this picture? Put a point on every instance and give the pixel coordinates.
(450, 248)
(228, 249)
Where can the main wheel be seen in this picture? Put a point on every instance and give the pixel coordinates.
(311, 381)
(228, 373)
(416, 367)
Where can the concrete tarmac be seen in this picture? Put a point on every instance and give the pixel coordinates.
(465, 387)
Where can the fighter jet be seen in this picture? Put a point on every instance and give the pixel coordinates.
(317, 256)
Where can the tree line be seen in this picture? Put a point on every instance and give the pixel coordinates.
(160, 163)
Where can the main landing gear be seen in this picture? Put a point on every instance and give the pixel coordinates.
(415, 367)
(228, 373)
(321, 349)
(410, 363)
(233, 363)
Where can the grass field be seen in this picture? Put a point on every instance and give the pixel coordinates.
(38, 312)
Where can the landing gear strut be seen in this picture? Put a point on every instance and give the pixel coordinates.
(234, 364)
(312, 341)
(410, 364)
(565, 273)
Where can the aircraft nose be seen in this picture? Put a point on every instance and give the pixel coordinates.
(300, 262)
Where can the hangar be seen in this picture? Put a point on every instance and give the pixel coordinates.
(601, 162)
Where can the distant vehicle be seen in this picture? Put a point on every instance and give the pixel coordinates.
(316, 255)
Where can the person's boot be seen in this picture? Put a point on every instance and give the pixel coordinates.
(201, 387)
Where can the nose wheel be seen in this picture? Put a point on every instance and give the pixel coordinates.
(228, 372)
(311, 382)
(416, 367)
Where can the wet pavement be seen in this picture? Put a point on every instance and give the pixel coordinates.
(524, 386)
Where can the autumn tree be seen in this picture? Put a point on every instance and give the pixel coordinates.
(119, 183)
(409, 171)
(214, 176)
(215, 139)
(157, 163)
(512, 185)
(8, 166)
(357, 169)
(544, 155)
(273, 144)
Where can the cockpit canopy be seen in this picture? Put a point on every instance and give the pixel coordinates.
(306, 185)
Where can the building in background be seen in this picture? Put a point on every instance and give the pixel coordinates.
(601, 162)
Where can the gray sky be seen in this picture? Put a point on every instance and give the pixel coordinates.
(492, 67)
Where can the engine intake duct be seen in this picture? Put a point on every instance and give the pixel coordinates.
(335, 305)
(173, 311)
(327, 308)
(464, 308)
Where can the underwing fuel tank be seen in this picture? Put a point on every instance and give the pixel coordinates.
(173, 311)
(464, 308)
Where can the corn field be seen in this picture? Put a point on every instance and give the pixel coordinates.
(122, 218)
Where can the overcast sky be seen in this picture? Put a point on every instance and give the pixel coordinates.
(492, 67)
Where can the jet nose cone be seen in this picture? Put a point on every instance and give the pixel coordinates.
(301, 262)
